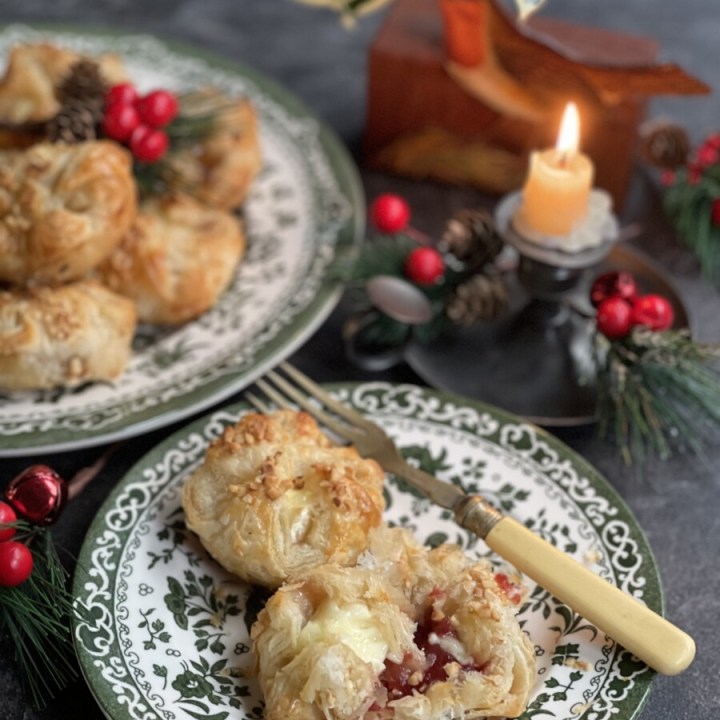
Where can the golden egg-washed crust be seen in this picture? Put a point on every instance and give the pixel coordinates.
(63, 208)
(176, 259)
(400, 584)
(63, 336)
(219, 169)
(274, 496)
(33, 74)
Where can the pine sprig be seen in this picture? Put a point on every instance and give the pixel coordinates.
(35, 616)
(691, 201)
(658, 393)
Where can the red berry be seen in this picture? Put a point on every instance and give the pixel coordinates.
(124, 93)
(158, 108)
(120, 120)
(707, 155)
(614, 317)
(667, 177)
(424, 265)
(613, 284)
(7, 517)
(653, 311)
(16, 563)
(37, 494)
(713, 141)
(390, 213)
(148, 145)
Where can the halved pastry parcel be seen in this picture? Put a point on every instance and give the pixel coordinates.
(410, 633)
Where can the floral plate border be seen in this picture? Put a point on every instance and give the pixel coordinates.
(162, 631)
(306, 206)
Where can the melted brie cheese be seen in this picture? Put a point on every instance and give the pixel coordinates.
(452, 646)
(353, 626)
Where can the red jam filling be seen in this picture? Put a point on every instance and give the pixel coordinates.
(512, 591)
(401, 679)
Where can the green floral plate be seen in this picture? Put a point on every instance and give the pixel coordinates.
(163, 632)
(306, 205)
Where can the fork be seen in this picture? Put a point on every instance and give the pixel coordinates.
(650, 637)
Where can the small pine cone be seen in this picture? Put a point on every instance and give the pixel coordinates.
(664, 145)
(74, 123)
(84, 83)
(481, 297)
(471, 236)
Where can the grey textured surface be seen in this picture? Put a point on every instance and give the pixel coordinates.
(310, 53)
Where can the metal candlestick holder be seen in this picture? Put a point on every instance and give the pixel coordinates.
(536, 359)
(550, 268)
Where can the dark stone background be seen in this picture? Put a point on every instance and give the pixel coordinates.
(309, 52)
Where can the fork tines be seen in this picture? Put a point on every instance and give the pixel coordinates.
(284, 394)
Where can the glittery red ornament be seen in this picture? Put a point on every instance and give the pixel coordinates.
(16, 563)
(7, 517)
(37, 494)
(613, 284)
(424, 266)
(614, 317)
(390, 213)
(653, 311)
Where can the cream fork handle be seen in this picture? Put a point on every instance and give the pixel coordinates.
(643, 632)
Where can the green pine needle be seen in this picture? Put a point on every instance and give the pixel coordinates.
(35, 616)
(658, 393)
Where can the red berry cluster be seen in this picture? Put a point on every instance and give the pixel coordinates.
(138, 120)
(390, 213)
(38, 495)
(620, 308)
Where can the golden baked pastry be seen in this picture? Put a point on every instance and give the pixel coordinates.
(63, 336)
(408, 634)
(274, 497)
(219, 169)
(34, 71)
(177, 258)
(63, 208)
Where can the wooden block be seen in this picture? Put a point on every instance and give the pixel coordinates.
(411, 96)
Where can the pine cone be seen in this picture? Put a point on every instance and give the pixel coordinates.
(481, 297)
(75, 122)
(665, 145)
(83, 83)
(471, 236)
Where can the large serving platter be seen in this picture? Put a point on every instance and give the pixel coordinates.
(162, 631)
(305, 207)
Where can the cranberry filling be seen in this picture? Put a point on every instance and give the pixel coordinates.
(401, 679)
(512, 591)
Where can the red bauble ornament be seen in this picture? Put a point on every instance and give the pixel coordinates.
(390, 213)
(16, 563)
(148, 145)
(120, 120)
(124, 93)
(614, 317)
(7, 516)
(653, 311)
(424, 265)
(37, 494)
(158, 108)
(613, 284)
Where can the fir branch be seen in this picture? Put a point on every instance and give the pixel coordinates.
(36, 617)
(658, 393)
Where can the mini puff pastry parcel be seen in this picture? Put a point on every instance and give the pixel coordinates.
(409, 634)
(275, 497)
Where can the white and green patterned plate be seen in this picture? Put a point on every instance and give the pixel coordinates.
(306, 204)
(162, 631)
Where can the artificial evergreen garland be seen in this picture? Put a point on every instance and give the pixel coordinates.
(35, 602)
(691, 198)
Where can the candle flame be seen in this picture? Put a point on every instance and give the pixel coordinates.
(568, 140)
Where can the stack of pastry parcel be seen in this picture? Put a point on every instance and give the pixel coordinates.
(82, 258)
(364, 622)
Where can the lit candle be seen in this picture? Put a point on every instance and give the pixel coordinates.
(557, 190)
